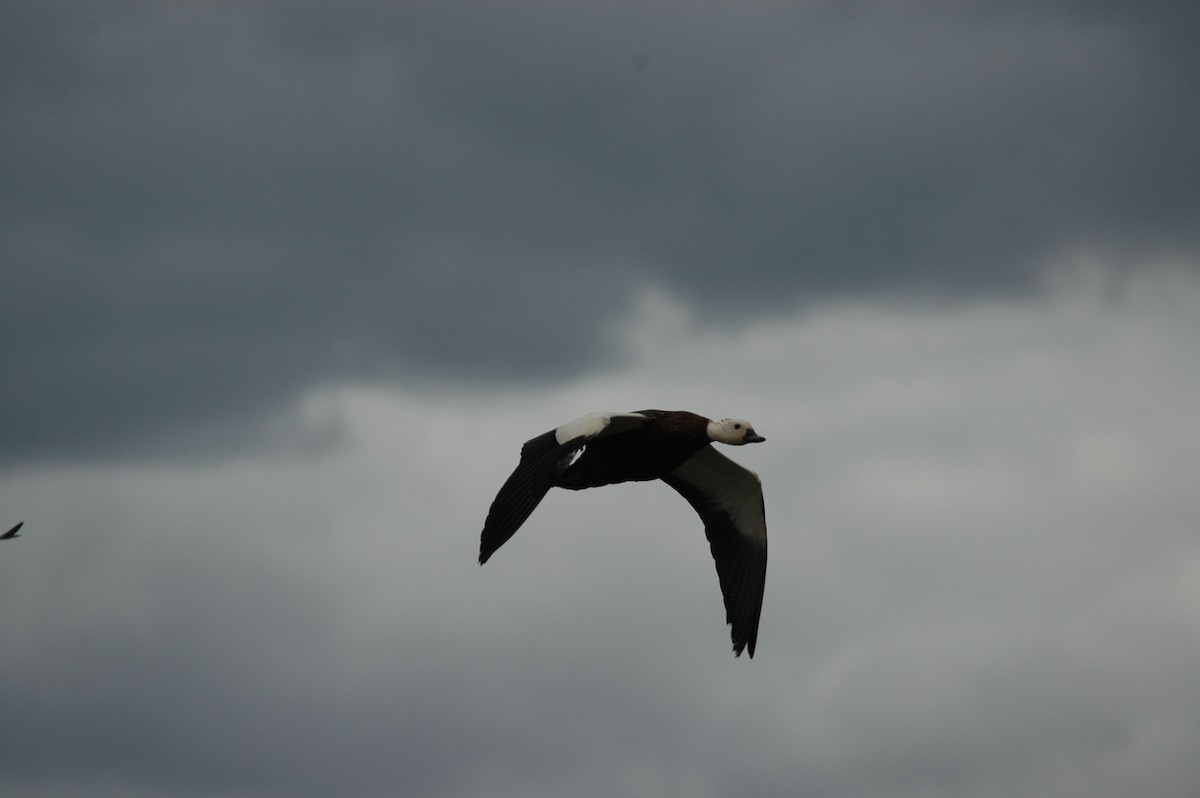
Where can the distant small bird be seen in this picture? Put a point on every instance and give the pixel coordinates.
(655, 444)
(12, 533)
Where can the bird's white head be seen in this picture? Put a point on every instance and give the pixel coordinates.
(734, 431)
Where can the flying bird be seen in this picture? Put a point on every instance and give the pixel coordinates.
(12, 533)
(673, 446)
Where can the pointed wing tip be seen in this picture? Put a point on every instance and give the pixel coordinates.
(747, 646)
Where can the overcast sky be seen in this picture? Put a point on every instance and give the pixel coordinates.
(284, 287)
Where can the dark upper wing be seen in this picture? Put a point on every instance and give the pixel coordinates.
(729, 500)
(528, 484)
(543, 459)
(12, 533)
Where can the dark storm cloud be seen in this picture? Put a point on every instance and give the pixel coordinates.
(208, 207)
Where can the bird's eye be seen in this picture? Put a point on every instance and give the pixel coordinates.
(737, 426)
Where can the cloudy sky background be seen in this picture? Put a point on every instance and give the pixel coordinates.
(285, 287)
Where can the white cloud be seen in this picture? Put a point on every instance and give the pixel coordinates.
(983, 579)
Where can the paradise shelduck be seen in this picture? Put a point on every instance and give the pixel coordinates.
(12, 533)
(673, 446)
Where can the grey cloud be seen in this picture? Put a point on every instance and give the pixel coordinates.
(983, 571)
(208, 208)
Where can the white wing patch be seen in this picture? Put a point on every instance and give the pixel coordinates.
(594, 424)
